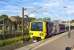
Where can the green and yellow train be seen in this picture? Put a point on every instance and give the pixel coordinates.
(40, 30)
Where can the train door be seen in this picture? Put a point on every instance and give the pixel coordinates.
(62, 28)
(49, 28)
(55, 28)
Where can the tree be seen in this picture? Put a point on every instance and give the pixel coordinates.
(72, 21)
(2, 17)
(44, 19)
(3, 22)
(32, 19)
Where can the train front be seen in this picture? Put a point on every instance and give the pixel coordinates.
(37, 30)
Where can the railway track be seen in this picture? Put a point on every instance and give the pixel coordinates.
(30, 46)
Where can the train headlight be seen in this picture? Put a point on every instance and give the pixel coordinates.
(41, 34)
(31, 33)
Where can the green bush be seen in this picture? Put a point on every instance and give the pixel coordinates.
(10, 41)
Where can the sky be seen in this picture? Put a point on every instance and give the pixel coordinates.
(55, 9)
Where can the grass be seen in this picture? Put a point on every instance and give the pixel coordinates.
(11, 41)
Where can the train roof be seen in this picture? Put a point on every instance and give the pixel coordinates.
(50, 22)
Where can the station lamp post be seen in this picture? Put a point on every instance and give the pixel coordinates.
(69, 24)
(69, 29)
(24, 25)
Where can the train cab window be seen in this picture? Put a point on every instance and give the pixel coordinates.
(36, 26)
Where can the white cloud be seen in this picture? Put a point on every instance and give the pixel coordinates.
(70, 9)
(46, 7)
(32, 15)
(36, 3)
(11, 7)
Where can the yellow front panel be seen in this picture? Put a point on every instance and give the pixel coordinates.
(35, 33)
(41, 34)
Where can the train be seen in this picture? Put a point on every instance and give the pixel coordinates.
(40, 30)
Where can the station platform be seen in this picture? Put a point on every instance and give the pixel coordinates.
(58, 42)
